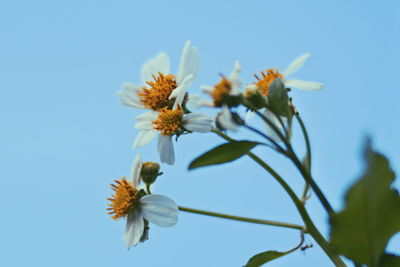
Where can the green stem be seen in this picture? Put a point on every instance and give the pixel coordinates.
(308, 147)
(242, 219)
(292, 155)
(148, 188)
(311, 228)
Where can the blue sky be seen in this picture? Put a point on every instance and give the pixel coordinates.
(65, 136)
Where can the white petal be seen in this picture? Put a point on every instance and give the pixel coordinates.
(197, 122)
(134, 228)
(225, 120)
(148, 116)
(135, 170)
(304, 85)
(207, 89)
(144, 125)
(143, 138)
(249, 115)
(189, 63)
(180, 91)
(196, 102)
(251, 87)
(234, 78)
(296, 64)
(159, 209)
(159, 63)
(165, 148)
(129, 95)
(271, 133)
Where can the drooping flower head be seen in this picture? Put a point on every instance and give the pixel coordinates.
(138, 207)
(161, 88)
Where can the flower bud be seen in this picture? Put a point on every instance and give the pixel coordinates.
(149, 172)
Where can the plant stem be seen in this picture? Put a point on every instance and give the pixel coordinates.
(310, 227)
(243, 219)
(308, 147)
(292, 155)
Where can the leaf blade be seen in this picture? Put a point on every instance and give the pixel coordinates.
(223, 153)
(264, 257)
(371, 215)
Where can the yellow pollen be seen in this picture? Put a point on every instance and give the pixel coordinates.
(125, 198)
(168, 121)
(157, 96)
(267, 78)
(221, 91)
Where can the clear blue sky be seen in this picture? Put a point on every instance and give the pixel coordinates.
(65, 136)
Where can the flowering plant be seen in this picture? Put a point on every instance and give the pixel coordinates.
(359, 232)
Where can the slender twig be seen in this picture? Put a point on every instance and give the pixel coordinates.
(242, 219)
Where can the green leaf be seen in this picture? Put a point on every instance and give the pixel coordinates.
(223, 153)
(264, 257)
(389, 260)
(371, 215)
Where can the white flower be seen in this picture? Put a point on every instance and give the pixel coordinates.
(225, 120)
(159, 86)
(167, 123)
(222, 91)
(128, 202)
(270, 75)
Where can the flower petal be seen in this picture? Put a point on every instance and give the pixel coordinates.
(225, 120)
(159, 63)
(305, 85)
(189, 63)
(271, 133)
(165, 148)
(134, 228)
(135, 170)
(148, 116)
(296, 64)
(197, 122)
(196, 102)
(180, 91)
(207, 89)
(144, 125)
(143, 138)
(235, 79)
(129, 95)
(159, 209)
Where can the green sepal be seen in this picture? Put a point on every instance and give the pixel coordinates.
(278, 98)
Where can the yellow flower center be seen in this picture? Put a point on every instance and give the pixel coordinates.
(157, 96)
(125, 198)
(168, 121)
(221, 91)
(267, 78)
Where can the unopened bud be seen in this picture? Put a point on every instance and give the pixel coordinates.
(149, 172)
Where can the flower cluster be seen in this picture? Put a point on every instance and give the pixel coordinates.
(165, 98)
(165, 95)
(268, 92)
